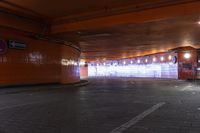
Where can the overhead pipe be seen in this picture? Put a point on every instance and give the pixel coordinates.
(59, 41)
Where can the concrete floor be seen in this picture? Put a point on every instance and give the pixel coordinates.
(106, 105)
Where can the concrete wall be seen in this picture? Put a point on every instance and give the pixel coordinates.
(40, 62)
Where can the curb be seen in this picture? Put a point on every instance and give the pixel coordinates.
(82, 84)
(15, 90)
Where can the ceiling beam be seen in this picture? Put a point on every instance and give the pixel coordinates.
(20, 23)
(21, 11)
(20, 18)
(143, 16)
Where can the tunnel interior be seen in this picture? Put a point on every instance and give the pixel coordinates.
(68, 41)
(108, 66)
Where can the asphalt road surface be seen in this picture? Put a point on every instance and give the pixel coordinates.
(106, 105)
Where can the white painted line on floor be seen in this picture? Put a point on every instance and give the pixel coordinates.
(132, 82)
(136, 119)
(190, 86)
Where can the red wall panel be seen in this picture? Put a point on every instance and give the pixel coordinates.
(185, 72)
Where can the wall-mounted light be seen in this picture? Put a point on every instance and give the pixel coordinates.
(146, 60)
(138, 61)
(124, 62)
(169, 57)
(131, 62)
(187, 55)
(154, 59)
(162, 58)
(104, 63)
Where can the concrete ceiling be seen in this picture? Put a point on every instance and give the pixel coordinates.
(140, 39)
(104, 38)
(60, 8)
(65, 8)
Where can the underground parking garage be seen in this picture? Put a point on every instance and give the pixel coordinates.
(108, 66)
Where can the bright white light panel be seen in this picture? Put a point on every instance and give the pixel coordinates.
(156, 70)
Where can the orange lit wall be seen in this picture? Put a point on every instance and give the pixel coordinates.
(39, 63)
(69, 72)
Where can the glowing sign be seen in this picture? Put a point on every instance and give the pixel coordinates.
(16, 44)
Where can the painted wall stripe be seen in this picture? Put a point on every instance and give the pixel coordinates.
(136, 119)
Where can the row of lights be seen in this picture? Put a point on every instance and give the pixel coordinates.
(186, 56)
(146, 60)
(154, 60)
